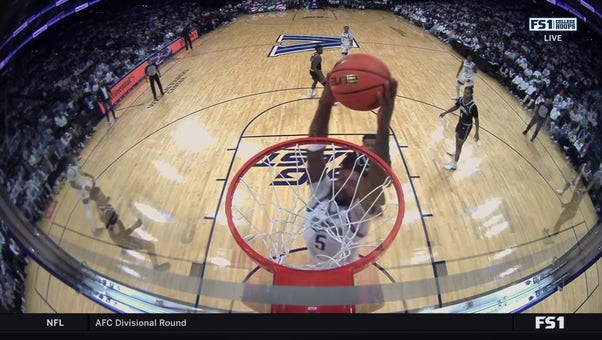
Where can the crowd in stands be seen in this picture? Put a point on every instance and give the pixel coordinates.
(51, 98)
(526, 65)
(50, 88)
(52, 106)
(12, 271)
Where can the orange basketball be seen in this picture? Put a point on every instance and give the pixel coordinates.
(356, 80)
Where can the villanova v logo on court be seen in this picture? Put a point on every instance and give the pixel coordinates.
(293, 43)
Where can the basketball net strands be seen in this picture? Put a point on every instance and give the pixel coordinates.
(268, 211)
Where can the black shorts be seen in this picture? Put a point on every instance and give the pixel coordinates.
(112, 220)
(317, 76)
(462, 131)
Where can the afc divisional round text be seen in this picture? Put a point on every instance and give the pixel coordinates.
(215, 322)
(133, 322)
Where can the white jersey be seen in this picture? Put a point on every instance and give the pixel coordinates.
(468, 75)
(468, 68)
(346, 39)
(333, 232)
(76, 176)
(346, 42)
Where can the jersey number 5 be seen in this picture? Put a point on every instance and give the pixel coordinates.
(319, 242)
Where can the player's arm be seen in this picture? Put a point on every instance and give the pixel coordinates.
(380, 200)
(371, 192)
(451, 109)
(575, 181)
(127, 231)
(131, 229)
(591, 183)
(460, 69)
(319, 128)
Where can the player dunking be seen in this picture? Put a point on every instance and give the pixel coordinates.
(466, 75)
(339, 209)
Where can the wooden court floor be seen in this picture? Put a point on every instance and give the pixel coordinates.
(169, 162)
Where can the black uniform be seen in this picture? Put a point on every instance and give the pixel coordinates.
(152, 71)
(468, 112)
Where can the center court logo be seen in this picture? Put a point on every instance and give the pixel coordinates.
(294, 43)
(290, 165)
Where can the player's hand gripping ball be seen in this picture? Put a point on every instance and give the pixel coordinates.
(356, 80)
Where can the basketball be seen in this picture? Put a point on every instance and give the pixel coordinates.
(356, 80)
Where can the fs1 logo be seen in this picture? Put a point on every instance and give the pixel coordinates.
(552, 24)
(292, 165)
(549, 322)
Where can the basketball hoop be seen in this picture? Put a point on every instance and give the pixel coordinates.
(267, 211)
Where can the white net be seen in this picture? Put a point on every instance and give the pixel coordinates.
(323, 223)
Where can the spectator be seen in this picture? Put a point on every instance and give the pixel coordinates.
(105, 98)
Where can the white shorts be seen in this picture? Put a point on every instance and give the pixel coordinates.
(85, 182)
(466, 80)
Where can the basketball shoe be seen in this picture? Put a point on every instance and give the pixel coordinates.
(451, 166)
